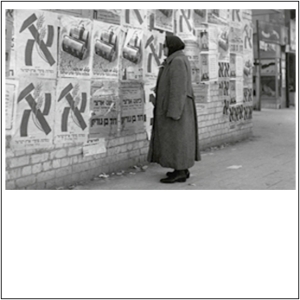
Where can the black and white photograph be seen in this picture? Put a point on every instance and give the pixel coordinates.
(150, 150)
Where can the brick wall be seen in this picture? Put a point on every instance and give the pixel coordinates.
(47, 169)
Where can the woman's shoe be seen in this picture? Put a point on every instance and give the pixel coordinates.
(179, 176)
(171, 174)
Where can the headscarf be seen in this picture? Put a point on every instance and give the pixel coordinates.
(174, 43)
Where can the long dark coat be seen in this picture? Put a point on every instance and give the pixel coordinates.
(174, 140)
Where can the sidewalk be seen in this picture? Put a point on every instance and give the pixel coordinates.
(266, 161)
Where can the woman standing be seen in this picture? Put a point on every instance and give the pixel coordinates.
(174, 140)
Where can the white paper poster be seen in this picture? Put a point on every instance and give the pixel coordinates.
(36, 43)
(153, 57)
(72, 111)
(191, 50)
(112, 16)
(35, 114)
(164, 19)
(132, 108)
(199, 17)
(132, 56)
(134, 18)
(208, 37)
(11, 89)
(106, 50)
(185, 24)
(223, 43)
(75, 47)
(104, 108)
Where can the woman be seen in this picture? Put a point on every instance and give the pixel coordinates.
(174, 140)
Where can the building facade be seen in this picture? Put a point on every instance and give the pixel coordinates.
(79, 85)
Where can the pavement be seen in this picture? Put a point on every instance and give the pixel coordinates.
(265, 161)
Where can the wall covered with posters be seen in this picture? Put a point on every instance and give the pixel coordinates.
(79, 86)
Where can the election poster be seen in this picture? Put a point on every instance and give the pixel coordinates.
(164, 19)
(112, 16)
(208, 37)
(72, 111)
(35, 113)
(132, 55)
(247, 30)
(134, 18)
(232, 91)
(232, 65)
(199, 17)
(104, 108)
(153, 49)
(132, 107)
(204, 70)
(218, 16)
(191, 51)
(185, 24)
(236, 40)
(106, 50)
(248, 68)
(202, 92)
(75, 47)
(11, 89)
(223, 43)
(209, 67)
(36, 41)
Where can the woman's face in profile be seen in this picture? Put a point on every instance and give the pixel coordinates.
(166, 50)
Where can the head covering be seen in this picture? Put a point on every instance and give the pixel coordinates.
(174, 43)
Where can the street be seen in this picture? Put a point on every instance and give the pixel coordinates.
(266, 161)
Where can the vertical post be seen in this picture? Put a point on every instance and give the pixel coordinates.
(258, 85)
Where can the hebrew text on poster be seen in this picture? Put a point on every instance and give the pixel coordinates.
(72, 111)
(35, 109)
(104, 114)
(132, 108)
(36, 41)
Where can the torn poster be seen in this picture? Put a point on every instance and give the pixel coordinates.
(72, 111)
(112, 16)
(104, 114)
(35, 112)
(132, 55)
(153, 53)
(164, 19)
(94, 146)
(236, 31)
(106, 50)
(36, 41)
(75, 47)
(132, 107)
